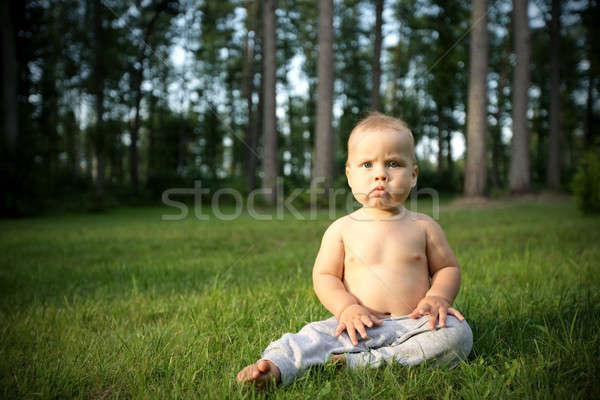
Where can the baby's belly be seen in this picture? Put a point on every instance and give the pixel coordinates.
(393, 291)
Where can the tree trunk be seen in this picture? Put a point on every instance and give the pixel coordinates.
(520, 174)
(440, 154)
(590, 120)
(496, 137)
(99, 93)
(449, 160)
(139, 77)
(247, 92)
(270, 162)
(497, 146)
(554, 156)
(9, 79)
(71, 130)
(88, 154)
(375, 95)
(394, 99)
(135, 127)
(258, 120)
(323, 165)
(589, 110)
(116, 164)
(181, 143)
(49, 115)
(476, 169)
(538, 169)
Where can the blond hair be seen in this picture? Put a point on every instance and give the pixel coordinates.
(377, 121)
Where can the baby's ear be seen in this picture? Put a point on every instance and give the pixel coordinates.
(348, 175)
(415, 175)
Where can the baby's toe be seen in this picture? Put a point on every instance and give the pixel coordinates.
(263, 366)
(242, 375)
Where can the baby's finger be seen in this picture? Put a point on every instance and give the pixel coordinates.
(367, 321)
(432, 320)
(456, 313)
(360, 328)
(443, 315)
(340, 328)
(417, 312)
(375, 320)
(423, 310)
(352, 334)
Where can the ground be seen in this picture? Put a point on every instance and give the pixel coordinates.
(123, 304)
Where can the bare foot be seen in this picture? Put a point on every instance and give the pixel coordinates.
(339, 360)
(261, 373)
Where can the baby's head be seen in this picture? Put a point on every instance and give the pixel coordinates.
(377, 122)
(381, 165)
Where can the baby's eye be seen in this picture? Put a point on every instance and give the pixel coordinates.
(367, 164)
(393, 164)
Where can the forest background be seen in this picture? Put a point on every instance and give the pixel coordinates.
(111, 102)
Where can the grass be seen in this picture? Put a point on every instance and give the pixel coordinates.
(124, 305)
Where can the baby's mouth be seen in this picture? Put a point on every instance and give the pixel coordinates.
(379, 191)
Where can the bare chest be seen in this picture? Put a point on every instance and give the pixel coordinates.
(389, 244)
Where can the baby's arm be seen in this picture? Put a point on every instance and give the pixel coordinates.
(445, 273)
(328, 273)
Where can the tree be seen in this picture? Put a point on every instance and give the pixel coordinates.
(251, 134)
(98, 90)
(500, 39)
(324, 153)
(303, 132)
(9, 79)
(476, 168)
(590, 18)
(554, 157)
(444, 76)
(520, 175)
(431, 55)
(352, 68)
(270, 145)
(50, 53)
(375, 96)
(151, 14)
(404, 100)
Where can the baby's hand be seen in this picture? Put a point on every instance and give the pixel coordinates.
(435, 306)
(355, 318)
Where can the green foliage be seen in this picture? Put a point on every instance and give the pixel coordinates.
(449, 181)
(586, 182)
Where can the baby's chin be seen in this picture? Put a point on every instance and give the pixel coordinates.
(383, 203)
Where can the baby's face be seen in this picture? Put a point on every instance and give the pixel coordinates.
(381, 169)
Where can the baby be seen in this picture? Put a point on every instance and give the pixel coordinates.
(387, 275)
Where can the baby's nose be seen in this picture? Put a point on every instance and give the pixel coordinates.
(381, 177)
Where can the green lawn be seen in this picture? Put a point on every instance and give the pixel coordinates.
(124, 305)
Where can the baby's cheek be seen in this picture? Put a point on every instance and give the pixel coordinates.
(360, 197)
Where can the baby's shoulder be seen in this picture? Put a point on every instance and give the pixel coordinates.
(423, 220)
(428, 225)
(336, 230)
(339, 225)
(420, 217)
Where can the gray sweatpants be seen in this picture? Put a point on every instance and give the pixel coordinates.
(402, 339)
